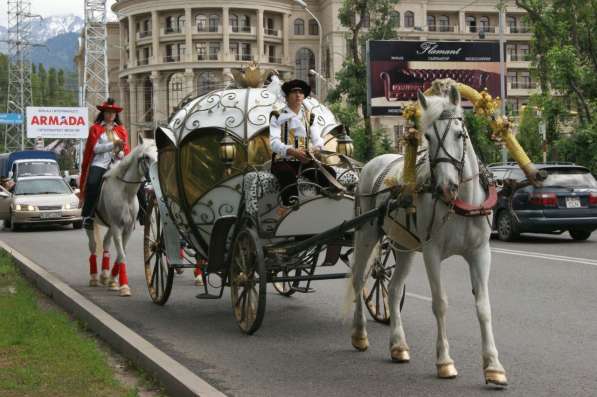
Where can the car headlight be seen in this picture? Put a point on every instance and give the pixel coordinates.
(70, 206)
(25, 207)
(66, 206)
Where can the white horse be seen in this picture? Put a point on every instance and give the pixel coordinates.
(117, 209)
(451, 174)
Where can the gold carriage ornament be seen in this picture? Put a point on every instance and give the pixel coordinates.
(484, 105)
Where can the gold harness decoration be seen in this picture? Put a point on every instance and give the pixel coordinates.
(301, 142)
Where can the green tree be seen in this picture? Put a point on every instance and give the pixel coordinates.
(351, 78)
(479, 131)
(529, 135)
(581, 148)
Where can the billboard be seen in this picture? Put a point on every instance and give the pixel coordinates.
(398, 69)
(57, 122)
(11, 118)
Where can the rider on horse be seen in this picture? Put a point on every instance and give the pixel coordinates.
(107, 142)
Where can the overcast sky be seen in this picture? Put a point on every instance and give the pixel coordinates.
(47, 8)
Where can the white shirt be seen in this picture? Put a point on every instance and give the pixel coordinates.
(102, 152)
(296, 122)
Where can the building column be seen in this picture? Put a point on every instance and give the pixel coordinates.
(155, 37)
(286, 38)
(188, 16)
(461, 21)
(226, 34)
(132, 127)
(260, 41)
(122, 47)
(189, 78)
(158, 112)
(132, 42)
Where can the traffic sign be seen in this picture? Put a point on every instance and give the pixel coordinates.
(11, 118)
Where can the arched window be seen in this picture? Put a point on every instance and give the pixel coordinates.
(395, 16)
(206, 82)
(245, 23)
(313, 27)
(305, 60)
(233, 21)
(511, 21)
(147, 100)
(483, 24)
(201, 23)
(170, 23)
(431, 23)
(471, 24)
(180, 23)
(214, 23)
(299, 26)
(409, 19)
(175, 90)
(444, 23)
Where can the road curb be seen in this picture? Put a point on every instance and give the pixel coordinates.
(176, 378)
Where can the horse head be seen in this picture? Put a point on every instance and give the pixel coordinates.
(148, 155)
(442, 123)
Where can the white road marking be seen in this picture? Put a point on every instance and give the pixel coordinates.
(424, 298)
(540, 255)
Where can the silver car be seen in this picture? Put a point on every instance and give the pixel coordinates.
(40, 200)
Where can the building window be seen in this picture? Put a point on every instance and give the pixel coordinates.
(431, 23)
(214, 22)
(206, 82)
(305, 61)
(245, 52)
(313, 27)
(395, 18)
(169, 24)
(180, 23)
(146, 25)
(201, 51)
(471, 24)
(233, 49)
(233, 22)
(328, 63)
(299, 27)
(147, 100)
(511, 21)
(409, 19)
(214, 51)
(175, 90)
(444, 23)
(269, 27)
(483, 24)
(245, 24)
(201, 22)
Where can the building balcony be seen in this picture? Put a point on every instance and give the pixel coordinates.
(208, 29)
(441, 28)
(521, 88)
(272, 32)
(143, 34)
(171, 30)
(271, 59)
(242, 29)
(208, 57)
(243, 57)
(171, 58)
(518, 29)
(143, 61)
(481, 29)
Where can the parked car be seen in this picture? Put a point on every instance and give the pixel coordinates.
(28, 163)
(40, 200)
(567, 201)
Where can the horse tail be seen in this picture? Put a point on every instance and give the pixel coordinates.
(97, 237)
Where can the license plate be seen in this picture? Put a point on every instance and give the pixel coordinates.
(50, 215)
(572, 202)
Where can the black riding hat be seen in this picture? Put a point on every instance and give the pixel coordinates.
(296, 84)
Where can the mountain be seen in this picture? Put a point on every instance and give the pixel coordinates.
(59, 34)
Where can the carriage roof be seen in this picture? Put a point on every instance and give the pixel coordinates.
(242, 112)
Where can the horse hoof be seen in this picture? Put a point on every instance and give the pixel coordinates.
(400, 355)
(104, 278)
(199, 281)
(495, 377)
(93, 281)
(125, 290)
(361, 343)
(446, 371)
(113, 285)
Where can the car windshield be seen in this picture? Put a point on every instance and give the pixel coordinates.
(41, 186)
(38, 168)
(569, 178)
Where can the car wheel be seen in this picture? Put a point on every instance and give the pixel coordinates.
(506, 227)
(579, 235)
(7, 223)
(77, 224)
(13, 225)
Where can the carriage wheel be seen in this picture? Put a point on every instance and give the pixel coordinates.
(248, 281)
(284, 288)
(158, 274)
(375, 292)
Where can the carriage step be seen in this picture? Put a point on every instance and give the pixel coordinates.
(303, 290)
(207, 296)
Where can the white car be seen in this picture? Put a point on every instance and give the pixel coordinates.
(40, 200)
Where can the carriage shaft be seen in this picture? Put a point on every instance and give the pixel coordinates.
(330, 276)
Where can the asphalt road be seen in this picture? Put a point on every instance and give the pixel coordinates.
(544, 299)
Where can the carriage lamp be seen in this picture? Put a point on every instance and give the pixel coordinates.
(227, 150)
(345, 146)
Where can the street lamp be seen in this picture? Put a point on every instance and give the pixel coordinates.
(304, 5)
(313, 72)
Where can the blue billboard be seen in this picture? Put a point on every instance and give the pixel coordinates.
(11, 118)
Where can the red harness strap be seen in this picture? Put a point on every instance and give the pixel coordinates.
(466, 209)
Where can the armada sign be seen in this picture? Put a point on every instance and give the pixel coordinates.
(57, 122)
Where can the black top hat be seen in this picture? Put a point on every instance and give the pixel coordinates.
(292, 85)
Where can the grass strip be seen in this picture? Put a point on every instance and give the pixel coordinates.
(42, 352)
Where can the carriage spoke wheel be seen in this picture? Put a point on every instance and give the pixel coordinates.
(158, 275)
(284, 288)
(248, 281)
(377, 279)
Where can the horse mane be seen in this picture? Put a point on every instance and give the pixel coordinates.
(125, 163)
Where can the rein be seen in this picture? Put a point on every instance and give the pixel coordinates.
(121, 178)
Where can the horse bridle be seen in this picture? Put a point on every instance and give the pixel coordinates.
(121, 178)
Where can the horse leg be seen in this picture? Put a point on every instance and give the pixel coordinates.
(479, 266)
(399, 350)
(105, 275)
(366, 239)
(93, 282)
(118, 237)
(439, 303)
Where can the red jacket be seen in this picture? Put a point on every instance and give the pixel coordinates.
(95, 132)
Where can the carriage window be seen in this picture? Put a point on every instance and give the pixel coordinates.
(167, 172)
(259, 148)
